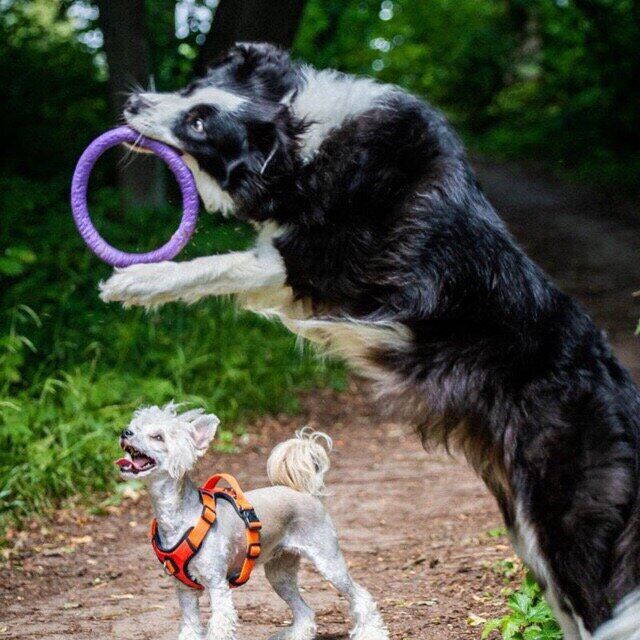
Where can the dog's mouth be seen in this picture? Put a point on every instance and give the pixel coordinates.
(137, 148)
(146, 129)
(135, 462)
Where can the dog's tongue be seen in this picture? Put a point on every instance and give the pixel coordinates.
(137, 463)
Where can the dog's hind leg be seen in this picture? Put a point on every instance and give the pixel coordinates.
(191, 626)
(282, 573)
(324, 551)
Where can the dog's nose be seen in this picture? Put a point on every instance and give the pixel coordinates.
(135, 103)
(126, 433)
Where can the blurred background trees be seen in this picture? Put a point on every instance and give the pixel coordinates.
(274, 21)
(125, 42)
(555, 80)
(550, 80)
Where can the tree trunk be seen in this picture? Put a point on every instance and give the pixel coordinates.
(275, 21)
(128, 55)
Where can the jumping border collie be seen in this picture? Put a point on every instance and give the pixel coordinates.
(377, 241)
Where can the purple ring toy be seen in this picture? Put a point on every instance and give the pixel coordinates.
(80, 183)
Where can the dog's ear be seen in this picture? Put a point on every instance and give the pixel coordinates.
(266, 126)
(245, 60)
(263, 136)
(259, 70)
(203, 430)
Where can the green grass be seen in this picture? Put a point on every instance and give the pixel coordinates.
(72, 369)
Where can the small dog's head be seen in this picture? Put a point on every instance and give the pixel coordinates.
(231, 125)
(164, 441)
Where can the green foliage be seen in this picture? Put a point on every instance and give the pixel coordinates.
(172, 57)
(553, 79)
(529, 617)
(52, 100)
(454, 52)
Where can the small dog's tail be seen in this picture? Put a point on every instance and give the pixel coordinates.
(301, 462)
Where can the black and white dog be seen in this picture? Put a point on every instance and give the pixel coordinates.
(376, 240)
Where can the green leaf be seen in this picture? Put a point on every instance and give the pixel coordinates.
(520, 603)
(530, 587)
(490, 626)
(533, 632)
(540, 612)
(511, 629)
(11, 267)
(22, 254)
(549, 631)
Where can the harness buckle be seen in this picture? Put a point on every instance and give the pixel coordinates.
(208, 515)
(251, 519)
(170, 567)
(254, 550)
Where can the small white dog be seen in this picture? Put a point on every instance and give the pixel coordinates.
(162, 446)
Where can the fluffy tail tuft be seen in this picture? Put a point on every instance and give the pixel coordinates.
(301, 462)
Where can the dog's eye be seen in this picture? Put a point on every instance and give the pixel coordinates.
(157, 437)
(197, 124)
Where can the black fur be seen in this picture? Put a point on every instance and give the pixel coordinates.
(387, 222)
(252, 70)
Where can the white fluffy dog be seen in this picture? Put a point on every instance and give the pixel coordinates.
(162, 446)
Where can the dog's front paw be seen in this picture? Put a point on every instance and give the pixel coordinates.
(190, 633)
(305, 630)
(146, 285)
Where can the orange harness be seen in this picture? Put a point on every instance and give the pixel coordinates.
(176, 560)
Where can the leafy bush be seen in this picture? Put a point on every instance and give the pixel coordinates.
(53, 100)
(529, 617)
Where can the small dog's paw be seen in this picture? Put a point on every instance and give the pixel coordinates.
(300, 631)
(145, 285)
(374, 631)
(189, 633)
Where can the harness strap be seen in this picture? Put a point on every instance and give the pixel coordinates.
(245, 510)
(176, 559)
(237, 492)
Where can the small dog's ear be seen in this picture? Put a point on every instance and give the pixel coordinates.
(203, 430)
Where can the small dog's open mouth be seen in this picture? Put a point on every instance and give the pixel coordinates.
(135, 461)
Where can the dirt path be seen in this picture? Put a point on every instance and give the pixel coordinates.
(427, 559)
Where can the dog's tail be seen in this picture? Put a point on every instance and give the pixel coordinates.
(301, 462)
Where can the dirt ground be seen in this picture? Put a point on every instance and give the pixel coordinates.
(414, 526)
